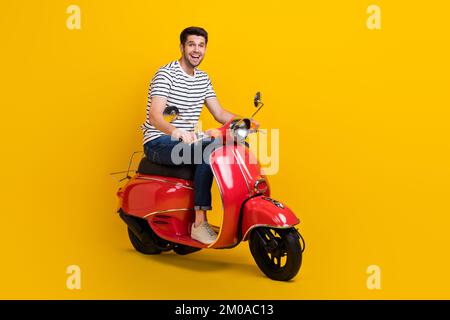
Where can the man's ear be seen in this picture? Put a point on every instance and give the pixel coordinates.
(181, 47)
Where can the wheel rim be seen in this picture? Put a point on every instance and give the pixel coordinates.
(276, 257)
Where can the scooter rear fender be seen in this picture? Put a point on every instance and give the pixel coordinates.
(264, 211)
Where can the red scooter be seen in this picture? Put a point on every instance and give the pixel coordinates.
(157, 204)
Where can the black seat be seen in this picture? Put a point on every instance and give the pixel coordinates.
(181, 171)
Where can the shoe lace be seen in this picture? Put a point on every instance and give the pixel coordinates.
(210, 230)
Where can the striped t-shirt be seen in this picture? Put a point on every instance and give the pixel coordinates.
(187, 93)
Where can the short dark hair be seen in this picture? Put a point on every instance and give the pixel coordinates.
(193, 31)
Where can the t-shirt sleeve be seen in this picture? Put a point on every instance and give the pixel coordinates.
(210, 93)
(161, 83)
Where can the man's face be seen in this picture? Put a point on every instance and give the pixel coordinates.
(193, 50)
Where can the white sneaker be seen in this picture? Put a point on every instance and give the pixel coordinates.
(203, 233)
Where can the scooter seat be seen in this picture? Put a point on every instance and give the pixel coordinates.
(184, 171)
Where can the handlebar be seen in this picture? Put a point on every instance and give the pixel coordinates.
(233, 125)
(204, 136)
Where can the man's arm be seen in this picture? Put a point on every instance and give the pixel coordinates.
(156, 119)
(220, 114)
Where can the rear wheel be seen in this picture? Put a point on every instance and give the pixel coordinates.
(145, 248)
(277, 252)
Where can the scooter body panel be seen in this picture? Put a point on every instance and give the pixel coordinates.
(236, 171)
(166, 203)
(145, 195)
(175, 227)
(264, 211)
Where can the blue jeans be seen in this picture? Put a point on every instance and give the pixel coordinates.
(159, 150)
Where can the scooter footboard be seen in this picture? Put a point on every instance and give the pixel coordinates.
(264, 211)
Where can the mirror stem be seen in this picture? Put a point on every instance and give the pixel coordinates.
(262, 104)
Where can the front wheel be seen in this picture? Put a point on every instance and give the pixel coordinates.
(277, 252)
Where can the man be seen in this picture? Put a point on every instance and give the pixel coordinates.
(180, 84)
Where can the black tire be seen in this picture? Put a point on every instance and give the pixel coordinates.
(270, 260)
(183, 250)
(145, 248)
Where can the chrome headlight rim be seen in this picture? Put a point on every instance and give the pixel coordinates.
(240, 128)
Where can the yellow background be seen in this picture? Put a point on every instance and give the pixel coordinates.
(364, 143)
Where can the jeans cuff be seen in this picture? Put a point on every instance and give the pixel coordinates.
(202, 208)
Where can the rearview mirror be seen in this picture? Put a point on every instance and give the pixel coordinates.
(257, 99)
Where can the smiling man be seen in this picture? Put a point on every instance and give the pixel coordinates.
(180, 84)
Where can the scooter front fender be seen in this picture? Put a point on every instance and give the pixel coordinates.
(264, 211)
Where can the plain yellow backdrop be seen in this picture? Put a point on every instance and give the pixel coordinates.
(364, 143)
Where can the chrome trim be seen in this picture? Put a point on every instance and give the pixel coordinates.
(167, 181)
(274, 202)
(164, 211)
(244, 238)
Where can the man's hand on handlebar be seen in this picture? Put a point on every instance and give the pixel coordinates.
(254, 125)
(185, 136)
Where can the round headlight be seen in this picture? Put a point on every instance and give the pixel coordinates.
(242, 133)
(241, 128)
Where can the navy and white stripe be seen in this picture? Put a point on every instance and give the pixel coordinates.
(187, 93)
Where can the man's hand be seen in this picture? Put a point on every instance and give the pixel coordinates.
(186, 136)
(254, 124)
